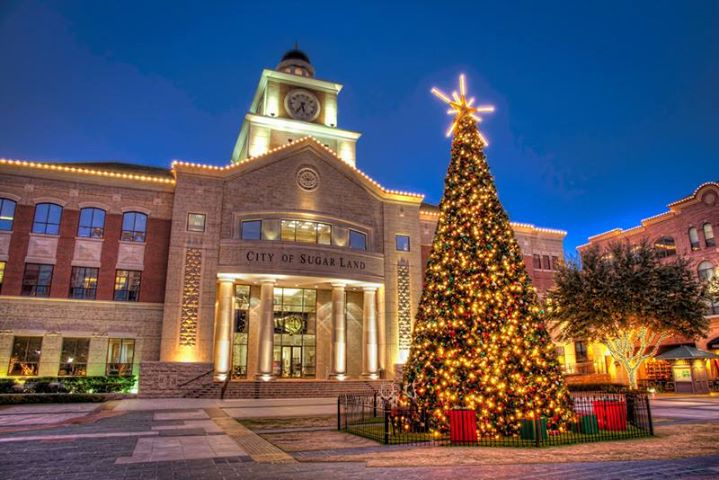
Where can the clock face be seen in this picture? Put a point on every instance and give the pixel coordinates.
(302, 105)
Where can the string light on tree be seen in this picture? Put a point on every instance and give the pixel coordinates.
(479, 339)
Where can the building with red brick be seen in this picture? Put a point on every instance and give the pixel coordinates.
(286, 271)
(687, 229)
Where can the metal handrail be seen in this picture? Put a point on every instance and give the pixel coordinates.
(196, 378)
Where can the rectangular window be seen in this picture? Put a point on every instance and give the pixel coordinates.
(251, 229)
(83, 283)
(92, 223)
(709, 235)
(47, 219)
(358, 240)
(120, 355)
(545, 262)
(2, 274)
(73, 359)
(324, 234)
(401, 243)
(127, 285)
(37, 279)
(7, 214)
(580, 352)
(555, 263)
(537, 262)
(295, 334)
(134, 227)
(25, 356)
(196, 222)
(242, 322)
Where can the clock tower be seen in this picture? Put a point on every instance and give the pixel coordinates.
(290, 103)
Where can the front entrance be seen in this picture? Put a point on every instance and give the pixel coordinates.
(292, 362)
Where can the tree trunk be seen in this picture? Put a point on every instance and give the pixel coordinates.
(632, 374)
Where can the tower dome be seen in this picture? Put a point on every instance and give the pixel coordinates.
(296, 62)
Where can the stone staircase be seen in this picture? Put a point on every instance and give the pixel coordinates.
(284, 389)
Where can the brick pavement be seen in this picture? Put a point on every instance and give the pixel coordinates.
(162, 447)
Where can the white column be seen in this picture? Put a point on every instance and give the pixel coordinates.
(223, 329)
(267, 330)
(339, 332)
(370, 355)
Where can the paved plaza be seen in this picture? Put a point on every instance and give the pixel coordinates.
(183, 439)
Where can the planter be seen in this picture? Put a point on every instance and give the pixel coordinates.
(462, 426)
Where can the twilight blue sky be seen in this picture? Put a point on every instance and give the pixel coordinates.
(606, 111)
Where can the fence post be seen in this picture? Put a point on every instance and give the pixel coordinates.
(374, 405)
(339, 416)
(649, 416)
(538, 430)
(346, 412)
(386, 427)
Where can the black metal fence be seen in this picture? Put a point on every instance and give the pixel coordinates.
(598, 417)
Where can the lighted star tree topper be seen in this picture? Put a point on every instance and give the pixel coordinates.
(479, 338)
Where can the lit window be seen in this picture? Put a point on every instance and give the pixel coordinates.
(242, 322)
(401, 243)
(120, 356)
(295, 332)
(7, 214)
(709, 235)
(665, 247)
(324, 234)
(37, 279)
(580, 352)
(694, 238)
(537, 261)
(705, 271)
(73, 359)
(83, 283)
(251, 230)
(127, 285)
(306, 232)
(92, 223)
(196, 222)
(47, 219)
(358, 240)
(2, 274)
(134, 227)
(25, 356)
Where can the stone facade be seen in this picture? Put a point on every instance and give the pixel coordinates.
(191, 328)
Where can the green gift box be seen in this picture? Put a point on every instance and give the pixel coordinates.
(528, 432)
(588, 424)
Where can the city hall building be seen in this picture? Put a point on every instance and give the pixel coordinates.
(287, 271)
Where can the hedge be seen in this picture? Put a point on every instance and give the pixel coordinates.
(598, 387)
(75, 385)
(18, 398)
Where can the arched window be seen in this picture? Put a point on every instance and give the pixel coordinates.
(47, 219)
(134, 227)
(709, 235)
(92, 223)
(7, 214)
(706, 271)
(694, 238)
(665, 247)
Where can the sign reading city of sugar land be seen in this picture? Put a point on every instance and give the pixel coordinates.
(337, 262)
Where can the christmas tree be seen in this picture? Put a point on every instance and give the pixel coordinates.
(479, 339)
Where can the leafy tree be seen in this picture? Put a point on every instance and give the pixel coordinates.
(626, 299)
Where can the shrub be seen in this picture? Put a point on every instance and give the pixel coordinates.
(13, 399)
(598, 387)
(78, 385)
(7, 385)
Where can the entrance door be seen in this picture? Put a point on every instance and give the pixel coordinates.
(292, 361)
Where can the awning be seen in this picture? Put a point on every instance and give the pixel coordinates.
(685, 353)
